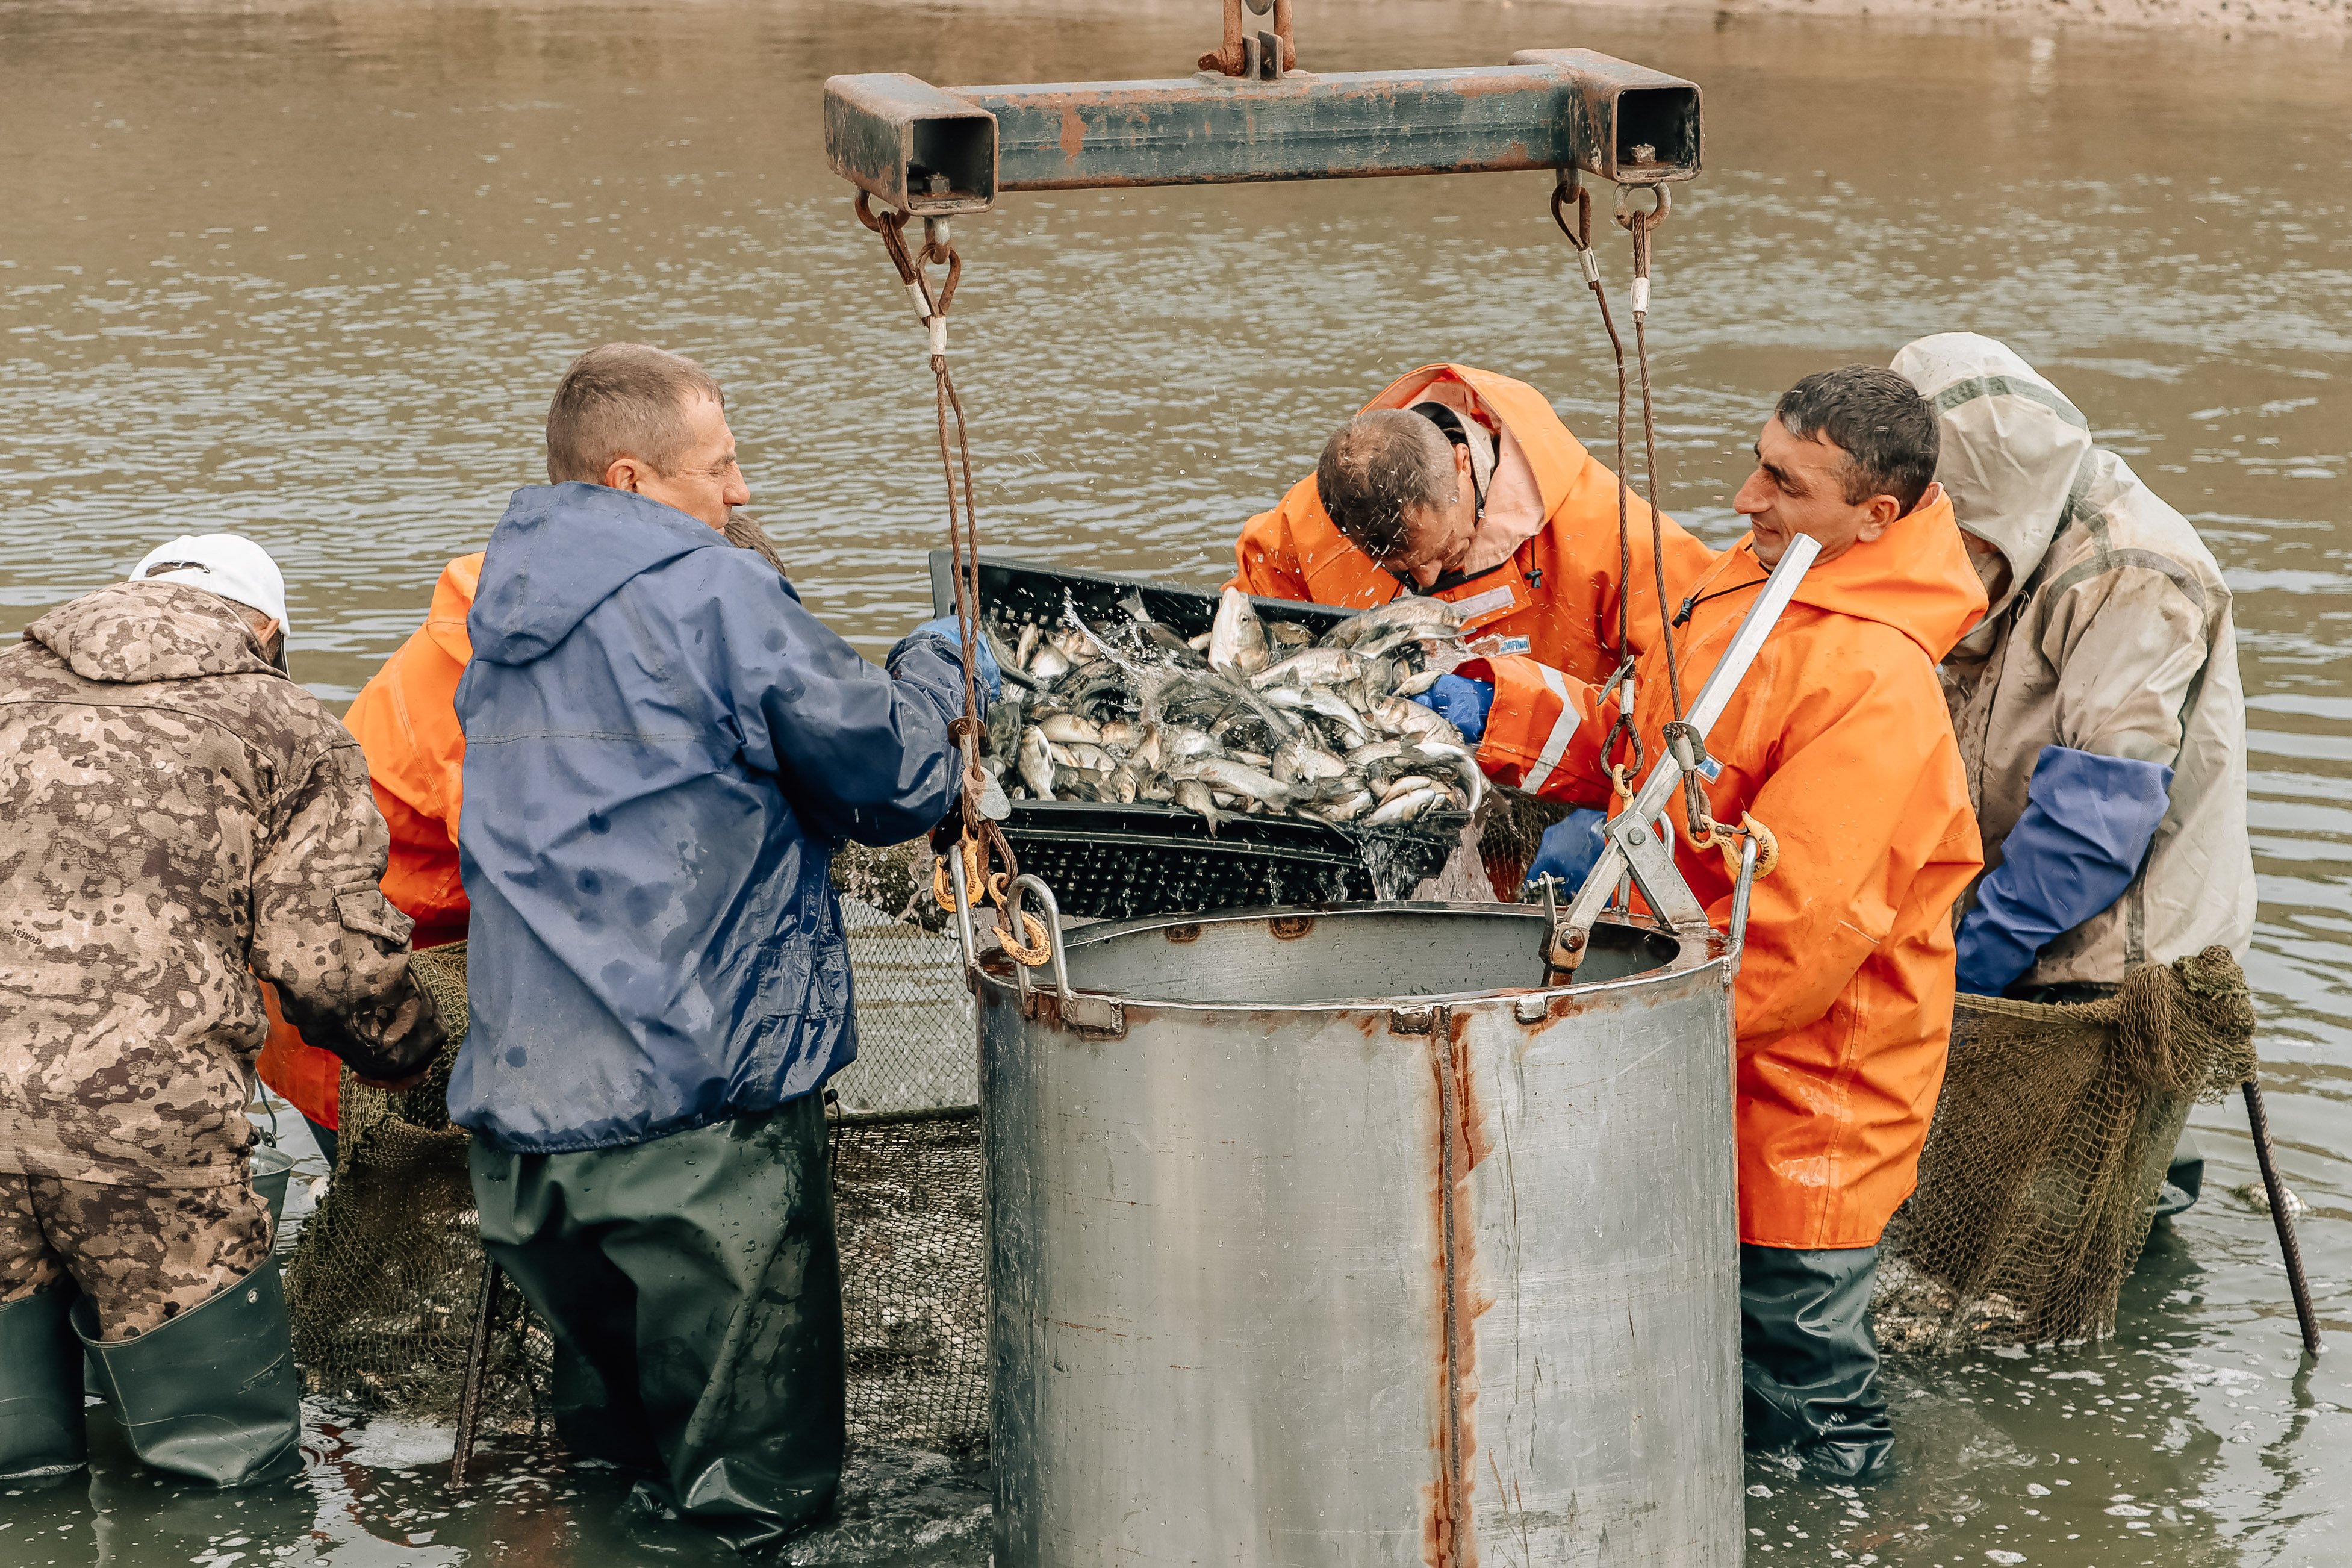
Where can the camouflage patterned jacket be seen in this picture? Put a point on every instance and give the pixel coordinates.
(177, 817)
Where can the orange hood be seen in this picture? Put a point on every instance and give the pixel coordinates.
(453, 600)
(1916, 577)
(1538, 464)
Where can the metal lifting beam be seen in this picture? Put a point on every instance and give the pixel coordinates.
(936, 151)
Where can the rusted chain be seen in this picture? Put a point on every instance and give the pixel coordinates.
(982, 840)
(1642, 225)
(1565, 188)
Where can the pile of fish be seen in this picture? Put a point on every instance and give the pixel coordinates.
(1247, 717)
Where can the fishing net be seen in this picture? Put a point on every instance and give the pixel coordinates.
(386, 1282)
(2038, 1184)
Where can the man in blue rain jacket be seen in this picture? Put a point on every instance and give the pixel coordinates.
(663, 749)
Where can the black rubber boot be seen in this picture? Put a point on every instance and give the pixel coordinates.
(212, 1394)
(2184, 1181)
(41, 1435)
(692, 1290)
(1810, 1359)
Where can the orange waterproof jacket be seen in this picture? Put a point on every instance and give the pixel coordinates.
(1550, 535)
(406, 722)
(1839, 743)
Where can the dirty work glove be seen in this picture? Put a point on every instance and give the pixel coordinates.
(1571, 848)
(1460, 702)
(992, 681)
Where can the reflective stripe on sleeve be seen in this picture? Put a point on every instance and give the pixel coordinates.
(1563, 730)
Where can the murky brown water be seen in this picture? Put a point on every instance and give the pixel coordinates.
(310, 272)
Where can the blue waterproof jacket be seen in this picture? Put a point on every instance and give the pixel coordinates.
(662, 750)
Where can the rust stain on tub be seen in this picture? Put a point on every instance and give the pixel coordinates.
(1448, 1535)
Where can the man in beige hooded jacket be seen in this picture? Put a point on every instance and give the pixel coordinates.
(2098, 704)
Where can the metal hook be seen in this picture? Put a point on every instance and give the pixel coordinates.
(1565, 189)
(1652, 220)
(963, 915)
(1096, 1015)
(1053, 932)
(1740, 892)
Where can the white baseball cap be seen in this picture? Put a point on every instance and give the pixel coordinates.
(228, 565)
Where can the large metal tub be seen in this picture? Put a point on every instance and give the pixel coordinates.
(1241, 1315)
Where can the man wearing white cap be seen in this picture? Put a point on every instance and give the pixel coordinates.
(178, 822)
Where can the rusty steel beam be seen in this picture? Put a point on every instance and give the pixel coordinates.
(941, 151)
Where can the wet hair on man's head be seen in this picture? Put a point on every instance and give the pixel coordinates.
(1877, 418)
(624, 400)
(1374, 467)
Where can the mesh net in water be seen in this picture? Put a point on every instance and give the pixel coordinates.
(386, 1282)
(2039, 1180)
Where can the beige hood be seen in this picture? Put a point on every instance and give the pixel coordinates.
(2014, 448)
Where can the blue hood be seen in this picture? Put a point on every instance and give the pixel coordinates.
(661, 748)
(563, 550)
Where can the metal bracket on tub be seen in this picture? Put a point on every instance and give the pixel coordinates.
(1080, 1010)
(1631, 840)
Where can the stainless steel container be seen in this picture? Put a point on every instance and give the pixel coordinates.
(1284, 1276)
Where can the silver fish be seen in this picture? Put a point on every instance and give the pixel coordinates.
(1405, 807)
(1346, 807)
(1038, 763)
(1221, 773)
(1415, 685)
(1289, 637)
(1257, 760)
(1237, 642)
(1068, 728)
(1314, 666)
(1464, 764)
(1374, 751)
(1326, 703)
(1181, 743)
(1092, 758)
(1407, 719)
(1193, 796)
(1406, 785)
(1122, 734)
(1048, 663)
(1061, 754)
(1415, 612)
(1295, 759)
(1026, 648)
(1199, 644)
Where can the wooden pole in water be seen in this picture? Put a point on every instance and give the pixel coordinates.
(2282, 1216)
(478, 1357)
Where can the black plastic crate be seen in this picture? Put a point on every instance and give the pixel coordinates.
(1022, 592)
(1123, 862)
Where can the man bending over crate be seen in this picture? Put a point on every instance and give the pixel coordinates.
(661, 748)
(1464, 486)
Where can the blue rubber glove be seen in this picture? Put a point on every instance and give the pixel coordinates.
(991, 680)
(1571, 848)
(2088, 824)
(1460, 702)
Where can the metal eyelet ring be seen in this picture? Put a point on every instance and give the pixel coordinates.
(1653, 219)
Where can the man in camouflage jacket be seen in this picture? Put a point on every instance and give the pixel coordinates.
(177, 818)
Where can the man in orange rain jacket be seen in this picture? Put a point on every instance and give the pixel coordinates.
(1525, 548)
(407, 730)
(1838, 742)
